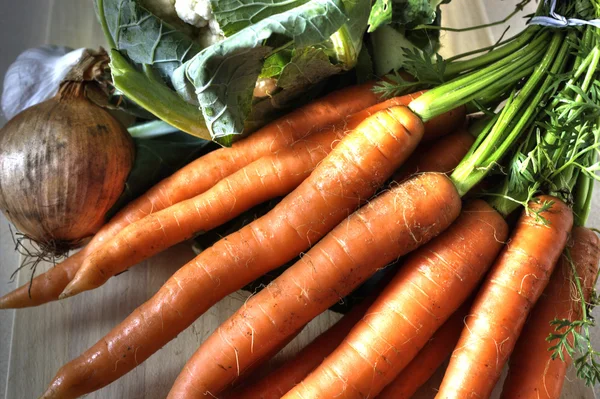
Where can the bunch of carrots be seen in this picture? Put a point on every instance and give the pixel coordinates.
(370, 175)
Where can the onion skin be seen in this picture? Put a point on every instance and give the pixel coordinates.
(63, 164)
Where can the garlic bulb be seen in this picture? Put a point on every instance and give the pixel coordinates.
(35, 76)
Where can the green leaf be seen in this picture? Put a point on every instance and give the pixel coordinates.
(235, 15)
(224, 75)
(275, 64)
(392, 50)
(347, 42)
(307, 67)
(408, 13)
(156, 97)
(381, 14)
(143, 37)
(156, 159)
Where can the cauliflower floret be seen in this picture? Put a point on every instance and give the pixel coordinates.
(197, 13)
(165, 10)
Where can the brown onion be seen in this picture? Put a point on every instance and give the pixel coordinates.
(63, 164)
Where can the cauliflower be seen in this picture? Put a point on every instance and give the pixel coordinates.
(193, 17)
(197, 13)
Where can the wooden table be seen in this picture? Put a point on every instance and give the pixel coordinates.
(34, 343)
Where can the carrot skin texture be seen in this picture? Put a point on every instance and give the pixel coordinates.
(447, 153)
(439, 127)
(429, 359)
(389, 226)
(279, 381)
(198, 177)
(46, 287)
(253, 367)
(511, 289)
(431, 285)
(266, 178)
(532, 372)
(442, 155)
(361, 162)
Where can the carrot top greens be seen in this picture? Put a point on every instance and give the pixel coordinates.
(544, 136)
(543, 139)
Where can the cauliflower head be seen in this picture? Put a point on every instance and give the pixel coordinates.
(193, 17)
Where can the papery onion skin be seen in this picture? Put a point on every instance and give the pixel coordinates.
(63, 164)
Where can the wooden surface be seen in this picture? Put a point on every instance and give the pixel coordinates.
(34, 343)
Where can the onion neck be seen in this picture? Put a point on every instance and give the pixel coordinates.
(70, 90)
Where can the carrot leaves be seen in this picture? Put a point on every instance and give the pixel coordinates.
(572, 338)
(426, 71)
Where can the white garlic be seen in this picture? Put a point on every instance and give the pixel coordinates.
(35, 76)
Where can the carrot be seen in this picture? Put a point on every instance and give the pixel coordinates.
(509, 292)
(427, 361)
(284, 378)
(443, 155)
(198, 177)
(438, 127)
(430, 285)
(351, 173)
(369, 239)
(46, 287)
(448, 153)
(254, 367)
(533, 373)
(266, 178)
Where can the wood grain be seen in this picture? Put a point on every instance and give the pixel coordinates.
(40, 340)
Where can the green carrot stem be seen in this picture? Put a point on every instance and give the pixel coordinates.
(583, 66)
(582, 207)
(567, 176)
(464, 89)
(497, 93)
(484, 49)
(456, 67)
(476, 165)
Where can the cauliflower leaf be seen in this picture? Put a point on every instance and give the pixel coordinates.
(143, 37)
(408, 13)
(224, 75)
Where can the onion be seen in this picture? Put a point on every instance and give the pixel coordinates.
(63, 164)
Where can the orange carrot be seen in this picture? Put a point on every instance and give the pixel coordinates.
(266, 178)
(345, 179)
(533, 373)
(427, 361)
(198, 177)
(509, 292)
(438, 127)
(46, 287)
(393, 224)
(431, 285)
(443, 155)
(253, 367)
(448, 154)
(284, 378)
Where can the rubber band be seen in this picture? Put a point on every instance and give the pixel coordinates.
(558, 21)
